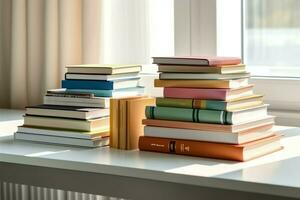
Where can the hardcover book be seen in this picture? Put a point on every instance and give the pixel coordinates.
(64, 133)
(67, 111)
(227, 69)
(230, 105)
(95, 102)
(236, 83)
(103, 69)
(230, 128)
(96, 142)
(206, 116)
(210, 136)
(240, 152)
(134, 91)
(197, 60)
(208, 93)
(126, 116)
(99, 84)
(202, 76)
(69, 124)
(103, 77)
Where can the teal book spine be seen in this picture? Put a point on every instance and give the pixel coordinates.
(189, 115)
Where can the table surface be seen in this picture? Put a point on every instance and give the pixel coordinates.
(277, 173)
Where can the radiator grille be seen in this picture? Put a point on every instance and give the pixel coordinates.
(13, 191)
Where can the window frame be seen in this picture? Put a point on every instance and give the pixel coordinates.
(190, 16)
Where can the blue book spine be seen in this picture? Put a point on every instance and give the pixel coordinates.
(87, 84)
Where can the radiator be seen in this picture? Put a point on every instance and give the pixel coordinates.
(13, 191)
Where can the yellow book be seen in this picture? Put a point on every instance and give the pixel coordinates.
(236, 83)
(103, 69)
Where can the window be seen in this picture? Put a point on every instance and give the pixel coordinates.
(272, 37)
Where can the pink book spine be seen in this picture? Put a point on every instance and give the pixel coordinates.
(189, 93)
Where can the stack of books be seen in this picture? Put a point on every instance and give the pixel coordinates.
(208, 109)
(78, 113)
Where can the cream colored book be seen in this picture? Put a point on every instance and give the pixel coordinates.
(103, 69)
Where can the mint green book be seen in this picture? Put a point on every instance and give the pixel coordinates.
(239, 103)
(206, 116)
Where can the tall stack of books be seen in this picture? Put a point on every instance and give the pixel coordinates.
(78, 113)
(208, 109)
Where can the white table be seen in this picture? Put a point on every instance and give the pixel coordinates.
(145, 175)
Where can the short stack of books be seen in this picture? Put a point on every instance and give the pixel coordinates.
(208, 109)
(78, 113)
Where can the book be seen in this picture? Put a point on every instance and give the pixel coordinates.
(210, 136)
(233, 128)
(95, 102)
(197, 60)
(67, 111)
(230, 105)
(103, 141)
(104, 77)
(135, 91)
(240, 152)
(202, 76)
(206, 116)
(103, 69)
(100, 84)
(227, 69)
(208, 93)
(125, 124)
(62, 92)
(64, 133)
(70, 124)
(235, 83)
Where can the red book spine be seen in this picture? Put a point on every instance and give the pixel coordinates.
(190, 93)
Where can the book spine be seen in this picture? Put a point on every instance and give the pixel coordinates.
(88, 84)
(189, 115)
(191, 148)
(191, 103)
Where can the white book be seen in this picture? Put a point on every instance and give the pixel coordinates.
(74, 76)
(96, 102)
(64, 133)
(203, 76)
(62, 140)
(208, 136)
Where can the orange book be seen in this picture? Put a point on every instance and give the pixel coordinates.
(242, 152)
(235, 83)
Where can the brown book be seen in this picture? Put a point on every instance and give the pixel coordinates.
(126, 116)
(235, 83)
(268, 120)
(242, 152)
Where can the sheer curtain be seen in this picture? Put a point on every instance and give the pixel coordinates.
(39, 37)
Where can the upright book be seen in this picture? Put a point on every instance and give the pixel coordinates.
(197, 60)
(240, 152)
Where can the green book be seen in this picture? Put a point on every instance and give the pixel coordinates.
(239, 103)
(206, 116)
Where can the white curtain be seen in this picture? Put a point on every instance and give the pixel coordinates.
(39, 37)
